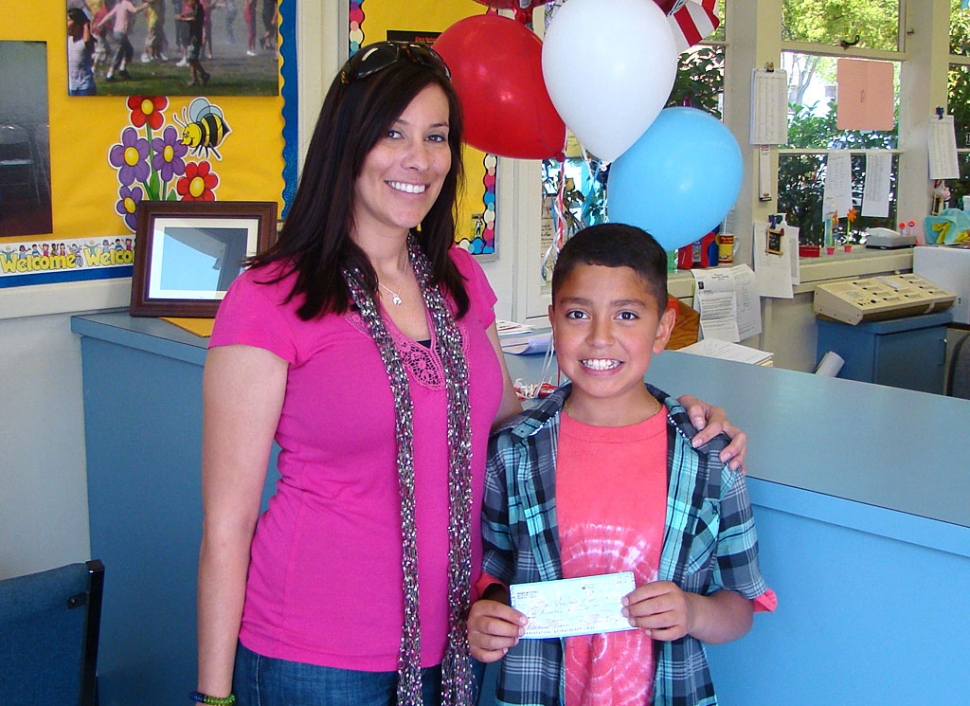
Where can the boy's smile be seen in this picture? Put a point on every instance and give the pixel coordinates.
(606, 326)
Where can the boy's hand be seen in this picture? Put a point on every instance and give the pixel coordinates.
(661, 609)
(493, 628)
(665, 612)
(710, 421)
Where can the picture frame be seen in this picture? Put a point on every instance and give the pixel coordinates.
(187, 253)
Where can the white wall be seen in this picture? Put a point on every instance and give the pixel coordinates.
(43, 479)
(43, 491)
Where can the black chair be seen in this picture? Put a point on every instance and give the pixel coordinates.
(18, 164)
(49, 628)
(958, 380)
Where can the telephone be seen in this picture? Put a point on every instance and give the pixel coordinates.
(878, 298)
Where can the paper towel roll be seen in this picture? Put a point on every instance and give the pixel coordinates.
(830, 365)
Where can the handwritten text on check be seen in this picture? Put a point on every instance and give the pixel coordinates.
(580, 606)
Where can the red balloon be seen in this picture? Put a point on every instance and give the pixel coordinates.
(496, 66)
(669, 6)
(523, 11)
(510, 4)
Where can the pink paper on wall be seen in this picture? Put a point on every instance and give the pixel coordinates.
(865, 95)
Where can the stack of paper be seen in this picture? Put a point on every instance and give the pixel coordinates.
(507, 329)
(725, 350)
(727, 299)
(521, 339)
(529, 344)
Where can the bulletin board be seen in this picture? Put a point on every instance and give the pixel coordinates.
(89, 137)
(371, 21)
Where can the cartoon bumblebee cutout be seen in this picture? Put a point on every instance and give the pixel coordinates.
(203, 127)
(775, 233)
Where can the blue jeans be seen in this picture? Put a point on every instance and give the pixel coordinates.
(264, 681)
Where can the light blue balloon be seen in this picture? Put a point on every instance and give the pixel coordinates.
(679, 180)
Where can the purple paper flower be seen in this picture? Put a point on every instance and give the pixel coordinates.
(130, 157)
(128, 201)
(168, 153)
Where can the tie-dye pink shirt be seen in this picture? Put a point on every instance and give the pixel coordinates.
(611, 498)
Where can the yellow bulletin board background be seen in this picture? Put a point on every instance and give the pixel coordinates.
(84, 184)
(370, 21)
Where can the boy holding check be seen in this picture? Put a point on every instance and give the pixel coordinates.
(602, 478)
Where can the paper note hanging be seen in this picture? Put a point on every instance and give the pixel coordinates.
(878, 183)
(837, 188)
(942, 143)
(769, 107)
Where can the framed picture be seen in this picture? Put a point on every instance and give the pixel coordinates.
(187, 253)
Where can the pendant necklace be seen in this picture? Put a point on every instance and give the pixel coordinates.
(395, 297)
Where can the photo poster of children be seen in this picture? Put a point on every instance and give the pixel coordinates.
(173, 47)
(94, 158)
(379, 20)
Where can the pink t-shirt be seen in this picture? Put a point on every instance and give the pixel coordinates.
(611, 500)
(122, 13)
(325, 579)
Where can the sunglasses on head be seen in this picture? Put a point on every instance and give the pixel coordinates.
(377, 57)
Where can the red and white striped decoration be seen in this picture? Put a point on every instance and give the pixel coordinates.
(692, 21)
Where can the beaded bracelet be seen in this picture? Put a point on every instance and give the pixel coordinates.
(201, 698)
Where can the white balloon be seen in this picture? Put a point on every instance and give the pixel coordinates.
(609, 66)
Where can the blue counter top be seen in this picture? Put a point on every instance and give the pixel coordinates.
(882, 446)
(860, 493)
(143, 333)
(891, 448)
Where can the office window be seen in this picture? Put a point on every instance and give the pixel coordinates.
(958, 97)
(700, 79)
(803, 175)
(720, 34)
(959, 29)
(855, 24)
(815, 33)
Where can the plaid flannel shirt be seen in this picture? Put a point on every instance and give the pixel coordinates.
(709, 544)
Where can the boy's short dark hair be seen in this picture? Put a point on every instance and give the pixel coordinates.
(615, 245)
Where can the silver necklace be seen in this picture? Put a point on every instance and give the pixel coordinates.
(395, 297)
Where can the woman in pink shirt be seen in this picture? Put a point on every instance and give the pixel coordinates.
(364, 345)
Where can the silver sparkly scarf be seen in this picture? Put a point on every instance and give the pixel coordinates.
(456, 675)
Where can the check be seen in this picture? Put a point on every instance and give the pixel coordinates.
(580, 606)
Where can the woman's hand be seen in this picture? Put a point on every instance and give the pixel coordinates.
(710, 421)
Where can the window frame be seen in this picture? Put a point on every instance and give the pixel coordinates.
(754, 39)
(963, 153)
(837, 52)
